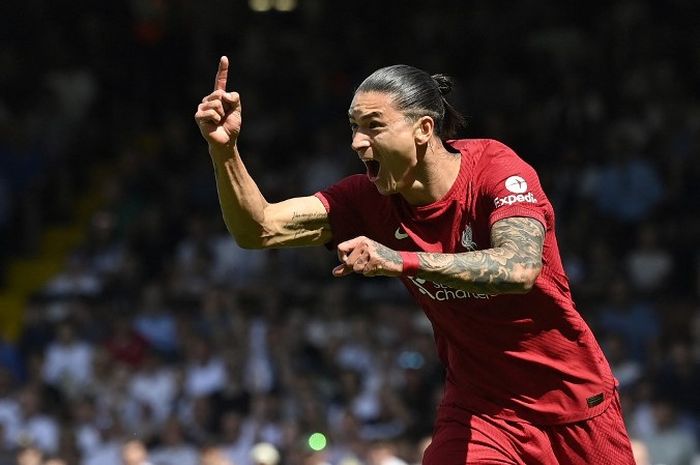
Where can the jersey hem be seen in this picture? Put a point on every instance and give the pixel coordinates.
(457, 411)
(330, 245)
(324, 201)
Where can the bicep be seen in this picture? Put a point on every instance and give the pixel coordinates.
(296, 222)
(522, 235)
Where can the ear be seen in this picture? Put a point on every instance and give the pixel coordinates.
(423, 130)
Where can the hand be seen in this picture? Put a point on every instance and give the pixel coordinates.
(367, 257)
(219, 114)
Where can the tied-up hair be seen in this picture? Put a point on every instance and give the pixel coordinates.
(417, 93)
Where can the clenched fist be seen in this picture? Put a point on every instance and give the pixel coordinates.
(219, 114)
(367, 257)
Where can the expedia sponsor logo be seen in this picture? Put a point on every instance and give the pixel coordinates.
(516, 185)
(514, 198)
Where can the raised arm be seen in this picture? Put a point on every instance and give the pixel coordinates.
(251, 220)
(510, 266)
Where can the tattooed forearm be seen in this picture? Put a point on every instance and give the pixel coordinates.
(388, 254)
(510, 266)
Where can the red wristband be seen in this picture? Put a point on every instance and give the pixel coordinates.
(411, 264)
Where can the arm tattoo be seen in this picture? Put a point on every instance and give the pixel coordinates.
(308, 218)
(388, 254)
(514, 258)
(303, 223)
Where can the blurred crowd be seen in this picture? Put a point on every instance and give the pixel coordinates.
(161, 342)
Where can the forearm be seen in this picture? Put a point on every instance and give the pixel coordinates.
(252, 221)
(510, 266)
(499, 270)
(242, 203)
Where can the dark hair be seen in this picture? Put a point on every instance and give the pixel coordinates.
(417, 93)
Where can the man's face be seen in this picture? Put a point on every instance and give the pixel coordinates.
(383, 138)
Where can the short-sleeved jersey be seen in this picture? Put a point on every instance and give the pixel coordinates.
(523, 357)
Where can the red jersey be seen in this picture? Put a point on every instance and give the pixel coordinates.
(524, 357)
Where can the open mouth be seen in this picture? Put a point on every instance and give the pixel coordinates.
(372, 169)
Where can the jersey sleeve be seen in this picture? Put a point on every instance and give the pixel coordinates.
(510, 187)
(342, 201)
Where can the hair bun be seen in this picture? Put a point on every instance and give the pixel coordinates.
(444, 83)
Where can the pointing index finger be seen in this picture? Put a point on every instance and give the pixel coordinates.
(221, 74)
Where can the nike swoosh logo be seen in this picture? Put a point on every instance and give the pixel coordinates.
(399, 235)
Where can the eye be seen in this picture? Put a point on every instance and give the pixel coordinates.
(374, 125)
(353, 126)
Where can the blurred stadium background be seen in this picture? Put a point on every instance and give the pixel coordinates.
(127, 313)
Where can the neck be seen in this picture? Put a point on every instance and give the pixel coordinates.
(435, 174)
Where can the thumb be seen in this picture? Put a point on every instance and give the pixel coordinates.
(341, 270)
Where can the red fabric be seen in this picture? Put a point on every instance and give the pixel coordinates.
(411, 264)
(462, 438)
(130, 348)
(527, 358)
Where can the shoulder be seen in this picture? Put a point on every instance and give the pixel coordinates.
(478, 145)
(357, 181)
(349, 193)
(482, 150)
(356, 184)
(469, 145)
(494, 150)
(495, 156)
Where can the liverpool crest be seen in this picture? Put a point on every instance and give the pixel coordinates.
(467, 241)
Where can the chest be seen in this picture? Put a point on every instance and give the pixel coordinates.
(456, 226)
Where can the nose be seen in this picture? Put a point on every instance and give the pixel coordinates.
(360, 141)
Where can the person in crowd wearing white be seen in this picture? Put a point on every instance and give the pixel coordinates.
(35, 426)
(68, 361)
(155, 385)
(206, 372)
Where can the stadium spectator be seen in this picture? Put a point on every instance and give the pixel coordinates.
(172, 448)
(134, 452)
(125, 344)
(649, 264)
(237, 437)
(29, 455)
(155, 323)
(155, 384)
(212, 455)
(205, 372)
(33, 425)
(68, 361)
(671, 444)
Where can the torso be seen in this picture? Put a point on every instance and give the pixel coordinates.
(524, 357)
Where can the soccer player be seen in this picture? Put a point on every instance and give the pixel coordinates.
(468, 229)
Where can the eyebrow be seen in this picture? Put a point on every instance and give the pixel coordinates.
(372, 114)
